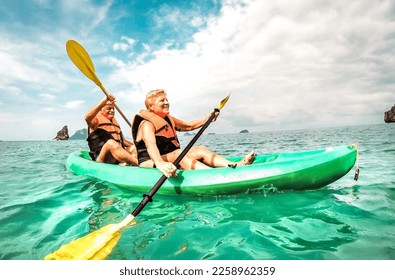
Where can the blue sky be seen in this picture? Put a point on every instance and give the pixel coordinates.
(289, 64)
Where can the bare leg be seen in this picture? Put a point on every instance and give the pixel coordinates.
(248, 159)
(215, 160)
(187, 163)
(192, 160)
(208, 157)
(112, 152)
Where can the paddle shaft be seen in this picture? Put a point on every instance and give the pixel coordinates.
(148, 197)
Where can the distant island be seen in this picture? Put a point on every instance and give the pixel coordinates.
(80, 134)
(62, 134)
(389, 116)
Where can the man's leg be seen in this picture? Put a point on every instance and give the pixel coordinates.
(113, 152)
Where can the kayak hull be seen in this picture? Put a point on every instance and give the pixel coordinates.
(304, 170)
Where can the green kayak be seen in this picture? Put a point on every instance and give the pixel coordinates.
(304, 170)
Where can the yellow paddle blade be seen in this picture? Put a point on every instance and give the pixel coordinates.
(223, 102)
(95, 246)
(81, 59)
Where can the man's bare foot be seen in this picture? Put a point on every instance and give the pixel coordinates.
(247, 160)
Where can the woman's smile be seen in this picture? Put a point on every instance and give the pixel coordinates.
(161, 106)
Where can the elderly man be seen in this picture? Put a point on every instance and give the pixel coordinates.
(105, 139)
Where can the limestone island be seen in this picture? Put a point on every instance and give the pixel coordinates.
(62, 134)
(389, 116)
(80, 134)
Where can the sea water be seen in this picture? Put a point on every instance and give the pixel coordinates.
(44, 206)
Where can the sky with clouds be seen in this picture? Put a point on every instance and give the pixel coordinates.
(289, 64)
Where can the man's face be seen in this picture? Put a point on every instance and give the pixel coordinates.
(108, 111)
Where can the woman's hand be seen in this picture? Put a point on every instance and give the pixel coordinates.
(167, 168)
(216, 116)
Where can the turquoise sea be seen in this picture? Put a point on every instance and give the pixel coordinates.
(43, 205)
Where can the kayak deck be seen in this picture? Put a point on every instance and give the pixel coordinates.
(304, 170)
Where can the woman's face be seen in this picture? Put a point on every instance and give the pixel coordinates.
(160, 106)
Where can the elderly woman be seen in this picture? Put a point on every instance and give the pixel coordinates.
(155, 137)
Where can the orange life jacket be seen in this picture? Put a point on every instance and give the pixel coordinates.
(105, 131)
(111, 127)
(165, 134)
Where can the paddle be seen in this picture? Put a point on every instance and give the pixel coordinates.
(81, 59)
(99, 244)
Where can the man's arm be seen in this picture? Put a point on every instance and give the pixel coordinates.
(89, 117)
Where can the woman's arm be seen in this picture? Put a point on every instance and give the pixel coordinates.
(192, 125)
(147, 131)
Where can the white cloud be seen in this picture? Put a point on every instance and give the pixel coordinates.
(113, 61)
(85, 15)
(124, 44)
(47, 96)
(6, 117)
(197, 21)
(74, 104)
(12, 69)
(285, 62)
(177, 20)
(120, 47)
(49, 109)
(288, 63)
